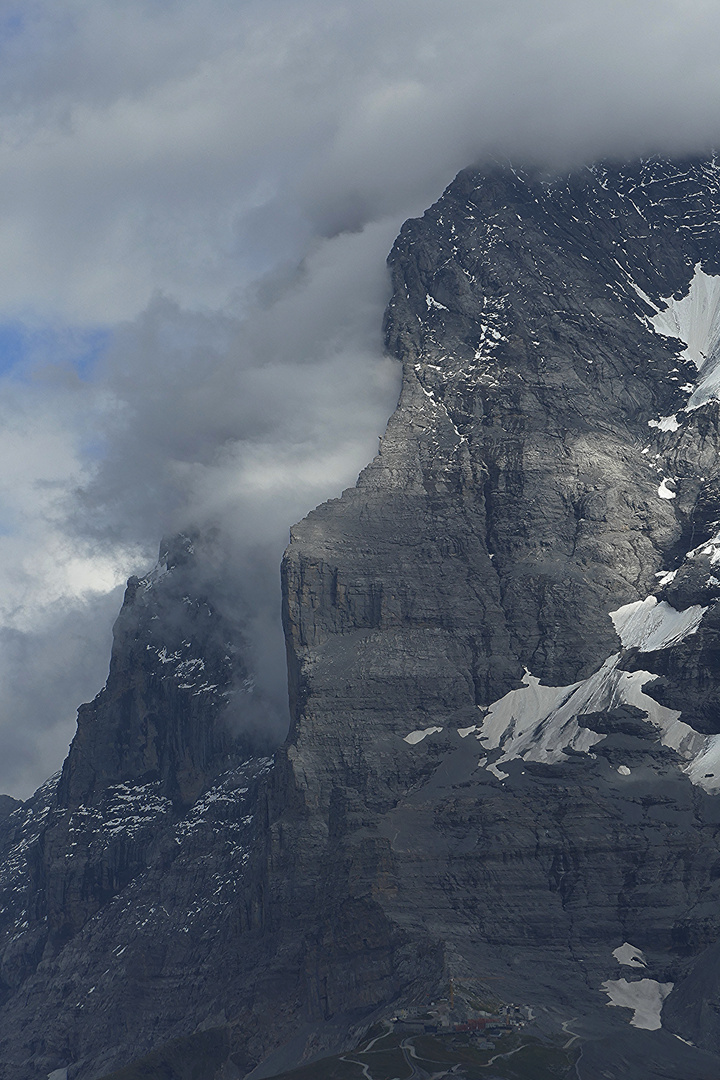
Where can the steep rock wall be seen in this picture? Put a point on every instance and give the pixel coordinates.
(545, 467)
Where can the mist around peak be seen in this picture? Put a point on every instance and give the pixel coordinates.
(198, 208)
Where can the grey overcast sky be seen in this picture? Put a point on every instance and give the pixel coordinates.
(197, 202)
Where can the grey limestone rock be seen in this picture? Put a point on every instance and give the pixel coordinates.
(518, 498)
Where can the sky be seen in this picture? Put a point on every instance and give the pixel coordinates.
(197, 200)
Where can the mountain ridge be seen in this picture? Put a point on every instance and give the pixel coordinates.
(502, 661)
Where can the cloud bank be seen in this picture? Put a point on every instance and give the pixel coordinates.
(197, 202)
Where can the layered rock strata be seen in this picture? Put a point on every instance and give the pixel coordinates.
(477, 629)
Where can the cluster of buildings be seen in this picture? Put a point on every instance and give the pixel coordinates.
(444, 1018)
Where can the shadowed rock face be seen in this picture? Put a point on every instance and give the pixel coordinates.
(557, 797)
(174, 655)
(119, 878)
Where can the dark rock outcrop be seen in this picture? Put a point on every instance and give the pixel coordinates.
(174, 655)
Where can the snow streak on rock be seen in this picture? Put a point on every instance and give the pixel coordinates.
(539, 723)
(417, 736)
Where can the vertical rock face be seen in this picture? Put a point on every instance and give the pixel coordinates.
(477, 629)
(504, 760)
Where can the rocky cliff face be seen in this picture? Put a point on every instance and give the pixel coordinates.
(504, 761)
(478, 628)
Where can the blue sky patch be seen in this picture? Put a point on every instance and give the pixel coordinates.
(24, 347)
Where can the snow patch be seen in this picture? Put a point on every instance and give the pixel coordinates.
(645, 998)
(711, 549)
(433, 303)
(650, 624)
(490, 338)
(623, 770)
(628, 955)
(695, 319)
(664, 491)
(417, 736)
(539, 723)
(665, 423)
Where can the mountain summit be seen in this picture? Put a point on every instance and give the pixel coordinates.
(502, 779)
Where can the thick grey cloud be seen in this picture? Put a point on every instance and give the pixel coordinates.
(178, 146)
(216, 187)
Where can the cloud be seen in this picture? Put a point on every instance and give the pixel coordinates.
(166, 146)
(197, 202)
(190, 418)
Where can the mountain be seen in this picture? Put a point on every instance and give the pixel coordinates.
(502, 779)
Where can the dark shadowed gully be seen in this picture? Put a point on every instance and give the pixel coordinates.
(501, 785)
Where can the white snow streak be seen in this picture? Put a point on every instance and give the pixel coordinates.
(417, 736)
(664, 491)
(538, 723)
(643, 295)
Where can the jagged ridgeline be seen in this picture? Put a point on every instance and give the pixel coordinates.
(491, 841)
